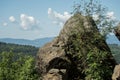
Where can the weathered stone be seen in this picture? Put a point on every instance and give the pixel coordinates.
(53, 63)
(117, 31)
(116, 74)
(53, 74)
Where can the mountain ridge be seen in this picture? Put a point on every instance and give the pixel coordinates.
(37, 42)
(41, 41)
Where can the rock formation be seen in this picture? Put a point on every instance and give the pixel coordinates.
(116, 74)
(117, 31)
(60, 60)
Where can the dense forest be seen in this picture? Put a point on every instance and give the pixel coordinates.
(115, 48)
(15, 48)
(17, 62)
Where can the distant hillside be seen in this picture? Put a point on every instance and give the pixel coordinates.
(37, 42)
(40, 42)
(111, 39)
(115, 48)
(27, 49)
(15, 48)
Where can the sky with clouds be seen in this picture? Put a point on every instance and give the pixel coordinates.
(32, 19)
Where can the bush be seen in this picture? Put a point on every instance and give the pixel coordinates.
(98, 68)
(17, 67)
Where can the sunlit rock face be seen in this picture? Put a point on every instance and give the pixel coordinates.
(55, 74)
(116, 74)
(117, 31)
(53, 59)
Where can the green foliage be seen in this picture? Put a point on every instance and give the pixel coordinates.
(97, 68)
(98, 12)
(115, 51)
(17, 67)
(90, 56)
(5, 65)
(23, 49)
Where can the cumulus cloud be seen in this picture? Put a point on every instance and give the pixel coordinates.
(5, 24)
(58, 18)
(110, 15)
(28, 22)
(12, 19)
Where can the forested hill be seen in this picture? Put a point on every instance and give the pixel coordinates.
(115, 48)
(15, 48)
(17, 62)
(111, 39)
(37, 42)
(31, 50)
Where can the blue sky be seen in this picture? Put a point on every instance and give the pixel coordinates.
(32, 19)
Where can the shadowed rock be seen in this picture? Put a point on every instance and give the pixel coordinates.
(53, 59)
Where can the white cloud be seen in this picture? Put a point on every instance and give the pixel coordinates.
(28, 22)
(5, 24)
(50, 11)
(12, 19)
(110, 15)
(58, 18)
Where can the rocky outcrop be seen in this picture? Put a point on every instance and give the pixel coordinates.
(117, 31)
(55, 60)
(116, 74)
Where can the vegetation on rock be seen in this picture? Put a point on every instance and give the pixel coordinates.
(81, 49)
(90, 56)
(98, 12)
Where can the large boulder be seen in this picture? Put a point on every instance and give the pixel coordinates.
(62, 60)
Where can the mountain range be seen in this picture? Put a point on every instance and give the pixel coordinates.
(111, 39)
(37, 42)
